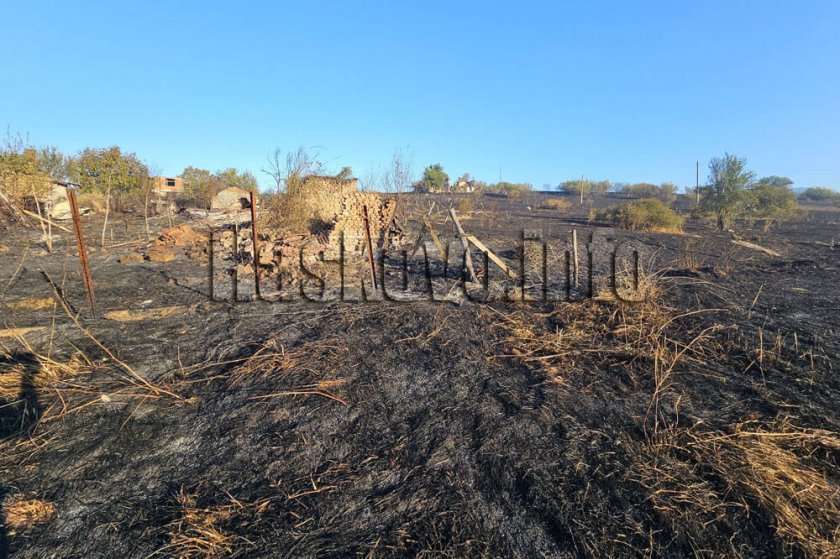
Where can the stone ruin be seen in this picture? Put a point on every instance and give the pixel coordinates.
(338, 207)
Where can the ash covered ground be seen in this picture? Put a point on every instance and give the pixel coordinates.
(702, 420)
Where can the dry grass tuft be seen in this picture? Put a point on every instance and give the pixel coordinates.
(697, 479)
(287, 373)
(558, 204)
(30, 304)
(271, 361)
(688, 256)
(207, 532)
(41, 372)
(554, 341)
(19, 513)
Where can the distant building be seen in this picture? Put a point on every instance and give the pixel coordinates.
(462, 185)
(167, 186)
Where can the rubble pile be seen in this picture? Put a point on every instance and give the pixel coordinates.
(342, 215)
(182, 238)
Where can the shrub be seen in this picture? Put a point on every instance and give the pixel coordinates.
(666, 192)
(820, 194)
(646, 215)
(770, 202)
(290, 213)
(587, 186)
(558, 204)
(465, 204)
(509, 189)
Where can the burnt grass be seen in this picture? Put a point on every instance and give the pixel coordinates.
(306, 429)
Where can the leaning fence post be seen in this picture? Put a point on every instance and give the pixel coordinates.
(80, 240)
(465, 243)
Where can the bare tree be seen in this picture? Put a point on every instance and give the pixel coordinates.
(276, 169)
(373, 180)
(397, 177)
(295, 166)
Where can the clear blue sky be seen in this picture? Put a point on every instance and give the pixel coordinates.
(626, 91)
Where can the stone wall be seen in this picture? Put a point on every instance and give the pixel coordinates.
(338, 206)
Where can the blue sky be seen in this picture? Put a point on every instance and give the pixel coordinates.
(543, 91)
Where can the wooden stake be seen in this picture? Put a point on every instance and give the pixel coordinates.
(575, 267)
(255, 241)
(434, 236)
(371, 260)
(80, 240)
(463, 236)
(234, 292)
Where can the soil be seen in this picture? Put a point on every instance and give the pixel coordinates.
(343, 429)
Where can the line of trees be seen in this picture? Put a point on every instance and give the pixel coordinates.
(109, 172)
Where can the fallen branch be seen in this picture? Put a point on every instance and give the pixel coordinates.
(301, 393)
(490, 254)
(46, 220)
(127, 368)
(759, 248)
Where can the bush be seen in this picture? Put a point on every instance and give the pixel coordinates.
(558, 204)
(666, 192)
(819, 194)
(770, 202)
(509, 189)
(646, 215)
(465, 204)
(288, 213)
(587, 186)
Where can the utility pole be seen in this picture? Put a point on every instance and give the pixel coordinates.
(581, 190)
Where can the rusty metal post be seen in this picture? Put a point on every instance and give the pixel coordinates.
(255, 241)
(371, 260)
(80, 240)
(234, 292)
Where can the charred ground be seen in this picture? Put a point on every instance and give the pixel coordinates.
(703, 421)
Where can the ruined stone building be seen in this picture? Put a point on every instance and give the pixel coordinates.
(167, 187)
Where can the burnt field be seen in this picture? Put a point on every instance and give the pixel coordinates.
(691, 410)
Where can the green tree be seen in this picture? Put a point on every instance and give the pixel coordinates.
(244, 180)
(20, 176)
(435, 178)
(771, 202)
(200, 185)
(345, 173)
(822, 194)
(104, 169)
(726, 195)
(53, 163)
(773, 180)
